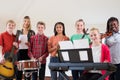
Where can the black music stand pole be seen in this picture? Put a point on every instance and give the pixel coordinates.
(62, 73)
(111, 69)
(105, 75)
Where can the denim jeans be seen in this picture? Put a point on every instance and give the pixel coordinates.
(76, 74)
(54, 73)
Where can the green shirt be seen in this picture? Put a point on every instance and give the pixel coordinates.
(79, 36)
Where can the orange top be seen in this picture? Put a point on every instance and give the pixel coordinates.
(53, 41)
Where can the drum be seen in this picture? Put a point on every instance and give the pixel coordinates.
(28, 65)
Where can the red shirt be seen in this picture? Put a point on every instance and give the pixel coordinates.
(6, 41)
(38, 47)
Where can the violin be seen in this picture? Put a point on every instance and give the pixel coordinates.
(106, 35)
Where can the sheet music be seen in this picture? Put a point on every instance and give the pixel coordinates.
(82, 43)
(66, 45)
(65, 56)
(83, 55)
(23, 39)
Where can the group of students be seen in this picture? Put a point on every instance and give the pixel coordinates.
(36, 46)
(40, 46)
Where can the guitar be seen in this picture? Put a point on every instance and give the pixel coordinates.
(7, 68)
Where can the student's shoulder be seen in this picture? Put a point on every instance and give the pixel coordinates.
(52, 37)
(66, 38)
(33, 37)
(104, 46)
(46, 37)
(32, 32)
(87, 35)
(4, 33)
(74, 35)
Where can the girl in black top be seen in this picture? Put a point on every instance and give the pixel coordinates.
(23, 52)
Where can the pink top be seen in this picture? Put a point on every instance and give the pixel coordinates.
(105, 56)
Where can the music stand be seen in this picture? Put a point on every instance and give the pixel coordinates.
(76, 55)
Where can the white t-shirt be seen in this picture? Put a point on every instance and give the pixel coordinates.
(96, 52)
(23, 39)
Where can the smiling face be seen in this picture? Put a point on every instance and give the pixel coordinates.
(26, 23)
(10, 26)
(114, 25)
(59, 28)
(95, 36)
(80, 26)
(40, 28)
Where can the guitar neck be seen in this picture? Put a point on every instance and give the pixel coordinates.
(11, 56)
(12, 51)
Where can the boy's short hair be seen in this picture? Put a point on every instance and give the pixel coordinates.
(41, 23)
(11, 21)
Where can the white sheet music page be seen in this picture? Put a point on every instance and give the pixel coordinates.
(23, 39)
(65, 56)
(66, 45)
(82, 43)
(83, 55)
